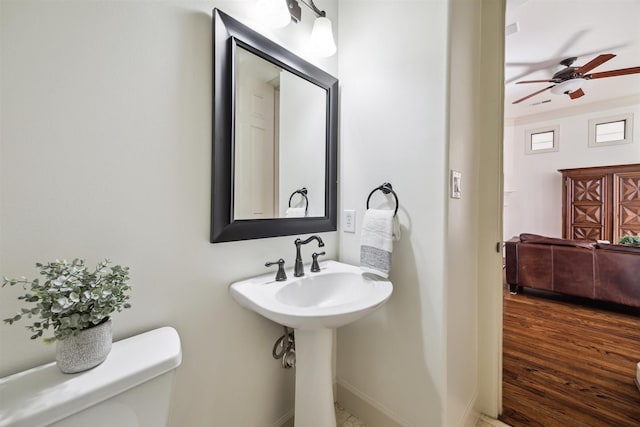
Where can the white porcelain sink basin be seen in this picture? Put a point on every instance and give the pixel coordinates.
(337, 295)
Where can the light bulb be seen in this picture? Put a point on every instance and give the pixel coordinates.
(321, 38)
(274, 13)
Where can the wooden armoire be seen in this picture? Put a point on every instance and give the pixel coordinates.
(601, 203)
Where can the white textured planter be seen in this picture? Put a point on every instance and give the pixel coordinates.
(85, 350)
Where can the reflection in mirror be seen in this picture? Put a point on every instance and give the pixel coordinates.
(280, 134)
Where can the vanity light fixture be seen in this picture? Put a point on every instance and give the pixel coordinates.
(321, 39)
(274, 13)
(278, 13)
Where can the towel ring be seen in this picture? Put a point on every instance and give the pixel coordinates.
(303, 193)
(386, 188)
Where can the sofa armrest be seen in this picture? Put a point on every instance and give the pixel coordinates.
(511, 260)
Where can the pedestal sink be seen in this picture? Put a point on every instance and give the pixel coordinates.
(314, 305)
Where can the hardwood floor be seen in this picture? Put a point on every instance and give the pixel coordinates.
(569, 362)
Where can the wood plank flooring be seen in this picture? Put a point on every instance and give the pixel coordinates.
(569, 362)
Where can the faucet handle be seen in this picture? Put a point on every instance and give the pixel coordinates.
(315, 267)
(281, 276)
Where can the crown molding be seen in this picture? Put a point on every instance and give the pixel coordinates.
(574, 111)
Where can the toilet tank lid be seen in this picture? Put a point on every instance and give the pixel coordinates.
(43, 395)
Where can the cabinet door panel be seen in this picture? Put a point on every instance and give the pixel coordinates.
(587, 207)
(626, 194)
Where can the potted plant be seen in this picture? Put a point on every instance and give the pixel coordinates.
(76, 303)
(630, 240)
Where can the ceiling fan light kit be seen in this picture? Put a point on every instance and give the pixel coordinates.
(568, 86)
(570, 80)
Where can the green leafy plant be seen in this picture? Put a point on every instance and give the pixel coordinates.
(630, 240)
(71, 297)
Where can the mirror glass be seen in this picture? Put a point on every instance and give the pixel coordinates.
(275, 135)
(280, 142)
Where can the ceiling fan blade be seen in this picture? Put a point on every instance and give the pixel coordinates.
(598, 60)
(576, 94)
(533, 94)
(614, 73)
(535, 81)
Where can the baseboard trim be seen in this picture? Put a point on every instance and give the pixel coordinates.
(471, 415)
(373, 414)
(487, 421)
(471, 418)
(286, 420)
(370, 412)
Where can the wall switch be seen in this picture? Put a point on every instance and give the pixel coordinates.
(456, 184)
(349, 221)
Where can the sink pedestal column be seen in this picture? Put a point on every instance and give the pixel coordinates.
(314, 379)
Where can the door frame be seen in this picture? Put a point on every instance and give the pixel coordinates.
(491, 129)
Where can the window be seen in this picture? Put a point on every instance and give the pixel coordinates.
(541, 140)
(611, 130)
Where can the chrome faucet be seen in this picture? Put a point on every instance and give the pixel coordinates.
(298, 270)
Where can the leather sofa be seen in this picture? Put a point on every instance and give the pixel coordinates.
(580, 268)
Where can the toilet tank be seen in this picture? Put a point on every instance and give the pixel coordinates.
(131, 388)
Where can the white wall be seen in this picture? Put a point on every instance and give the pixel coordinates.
(393, 71)
(105, 151)
(535, 204)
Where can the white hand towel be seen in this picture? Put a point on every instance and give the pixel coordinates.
(376, 241)
(295, 212)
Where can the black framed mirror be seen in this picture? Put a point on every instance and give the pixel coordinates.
(276, 176)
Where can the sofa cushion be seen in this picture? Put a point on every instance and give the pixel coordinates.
(536, 238)
(618, 277)
(573, 271)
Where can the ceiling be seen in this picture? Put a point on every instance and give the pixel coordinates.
(552, 30)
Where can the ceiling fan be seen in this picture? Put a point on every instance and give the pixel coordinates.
(570, 79)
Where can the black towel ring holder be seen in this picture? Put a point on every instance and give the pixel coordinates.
(303, 193)
(386, 188)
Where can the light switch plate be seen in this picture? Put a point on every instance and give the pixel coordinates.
(349, 221)
(456, 184)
